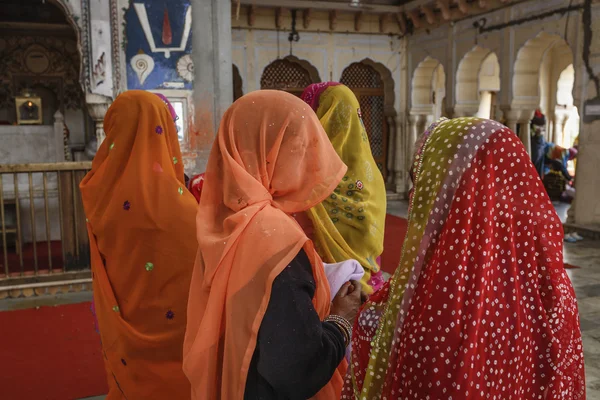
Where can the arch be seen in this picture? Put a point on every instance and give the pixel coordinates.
(564, 87)
(372, 89)
(548, 49)
(238, 84)
(81, 38)
(290, 74)
(477, 77)
(428, 86)
(489, 73)
(59, 74)
(388, 83)
(565, 124)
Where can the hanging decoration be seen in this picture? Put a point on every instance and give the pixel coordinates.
(294, 36)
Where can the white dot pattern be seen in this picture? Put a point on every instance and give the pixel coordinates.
(481, 306)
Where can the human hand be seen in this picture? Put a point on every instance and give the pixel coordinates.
(347, 301)
(363, 295)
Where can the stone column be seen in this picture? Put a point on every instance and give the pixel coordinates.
(511, 118)
(97, 106)
(59, 133)
(413, 128)
(525, 135)
(560, 119)
(400, 155)
(587, 186)
(213, 82)
(524, 129)
(391, 145)
(425, 122)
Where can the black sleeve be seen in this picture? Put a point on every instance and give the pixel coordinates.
(297, 353)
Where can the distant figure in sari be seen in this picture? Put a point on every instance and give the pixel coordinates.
(141, 224)
(538, 142)
(350, 222)
(262, 323)
(481, 306)
(548, 156)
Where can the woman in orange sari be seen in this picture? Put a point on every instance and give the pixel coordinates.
(141, 228)
(259, 319)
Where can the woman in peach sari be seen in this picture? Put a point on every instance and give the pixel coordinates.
(141, 228)
(261, 324)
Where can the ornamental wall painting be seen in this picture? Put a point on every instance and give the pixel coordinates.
(158, 44)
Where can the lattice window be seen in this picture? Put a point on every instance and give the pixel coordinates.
(360, 75)
(374, 120)
(367, 85)
(285, 75)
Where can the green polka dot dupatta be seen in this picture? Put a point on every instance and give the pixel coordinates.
(443, 155)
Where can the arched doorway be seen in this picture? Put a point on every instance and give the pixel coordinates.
(368, 86)
(477, 83)
(289, 74)
(428, 89)
(238, 89)
(489, 86)
(538, 66)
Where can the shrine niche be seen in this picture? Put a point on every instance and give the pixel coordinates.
(29, 109)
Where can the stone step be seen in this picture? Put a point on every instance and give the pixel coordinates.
(587, 231)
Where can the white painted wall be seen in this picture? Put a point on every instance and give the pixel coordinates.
(329, 53)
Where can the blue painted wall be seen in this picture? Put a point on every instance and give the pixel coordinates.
(165, 69)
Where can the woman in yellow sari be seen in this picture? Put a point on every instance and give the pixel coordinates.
(350, 223)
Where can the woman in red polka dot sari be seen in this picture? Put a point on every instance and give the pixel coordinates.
(480, 306)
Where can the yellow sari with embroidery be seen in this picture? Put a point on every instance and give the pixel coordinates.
(350, 223)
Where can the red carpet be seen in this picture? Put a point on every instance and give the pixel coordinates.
(52, 353)
(395, 230)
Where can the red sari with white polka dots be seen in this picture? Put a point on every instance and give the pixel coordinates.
(492, 313)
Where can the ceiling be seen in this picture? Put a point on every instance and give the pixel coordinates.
(371, 2)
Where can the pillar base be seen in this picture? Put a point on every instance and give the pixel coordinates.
(97, 106)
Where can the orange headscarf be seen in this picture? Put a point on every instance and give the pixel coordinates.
(271, 158)
(141, 227)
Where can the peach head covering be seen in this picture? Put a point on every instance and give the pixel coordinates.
(271, 158)
(141, 228)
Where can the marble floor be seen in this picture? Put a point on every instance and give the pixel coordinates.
(586, 281)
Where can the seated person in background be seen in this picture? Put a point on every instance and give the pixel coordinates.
(557, 158)
(538, 142)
